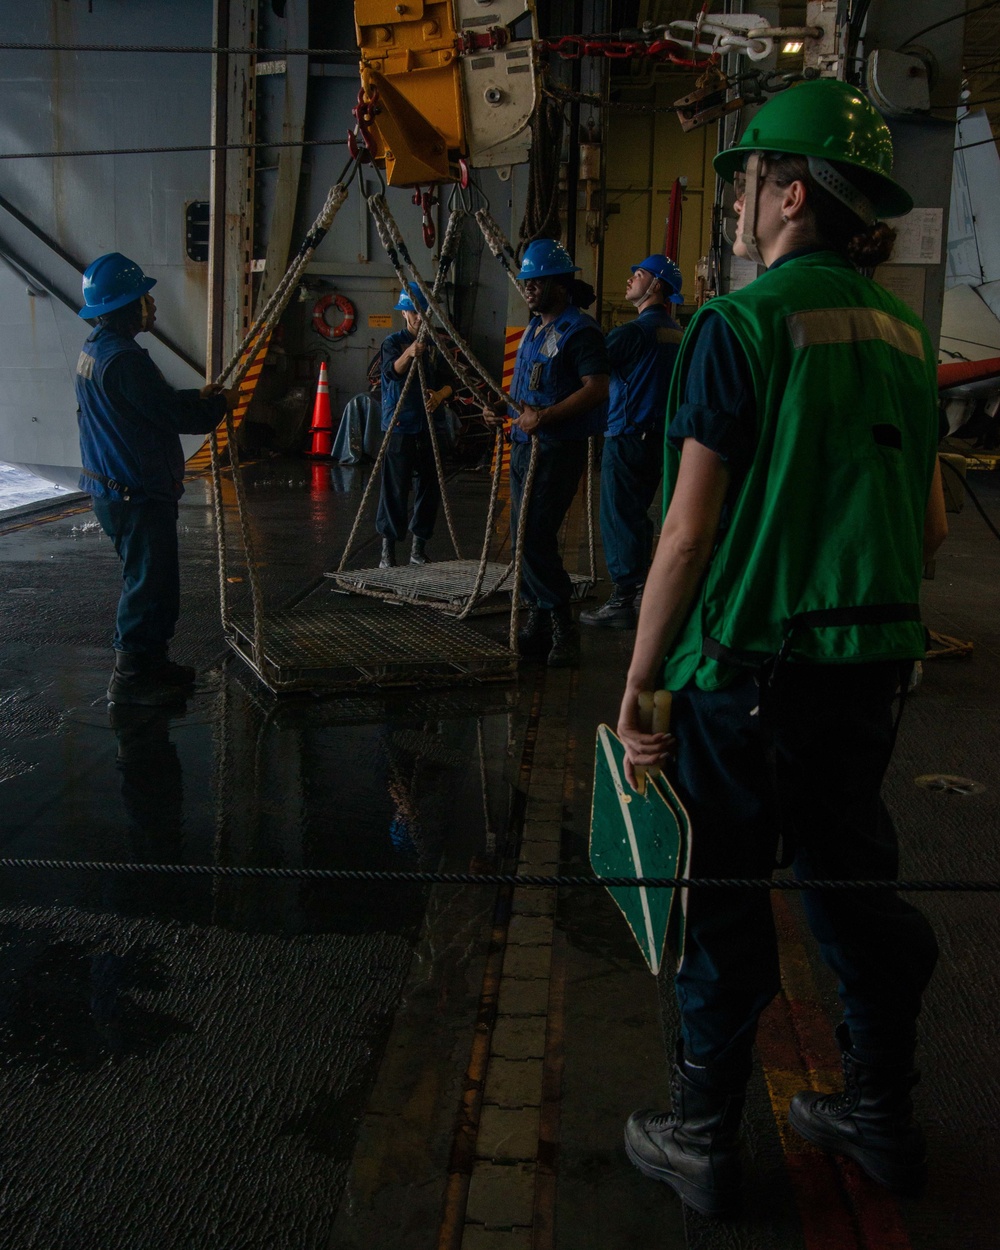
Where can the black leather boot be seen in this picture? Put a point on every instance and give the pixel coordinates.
(871, 1121)
(179, 674)
(132, 663)
(693, 1148)
(534, 638)
(141, 680)
(618, 613)
(418, 555)
(387, 560)
(565, 650)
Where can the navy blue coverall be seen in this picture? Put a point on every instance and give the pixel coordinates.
(130, 421)
(409, 454)
(642, 355)
(552, 361)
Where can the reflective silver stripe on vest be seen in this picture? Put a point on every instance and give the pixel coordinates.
(85, 365)
(819, 326)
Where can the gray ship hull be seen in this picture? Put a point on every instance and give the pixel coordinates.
(57, 213)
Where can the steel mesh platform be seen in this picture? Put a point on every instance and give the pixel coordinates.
(360, 643)
(442, 584)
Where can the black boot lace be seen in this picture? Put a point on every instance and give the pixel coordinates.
(844, 1100)
(664, 1120)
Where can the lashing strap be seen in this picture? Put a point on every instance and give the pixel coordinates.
(119, 487)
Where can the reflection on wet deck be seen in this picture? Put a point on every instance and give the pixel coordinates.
(194, 1063)
(205, 1046)
(399, 781)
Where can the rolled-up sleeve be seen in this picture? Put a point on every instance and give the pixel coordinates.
(718, 408)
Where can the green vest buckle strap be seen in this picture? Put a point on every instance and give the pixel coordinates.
(817, 618)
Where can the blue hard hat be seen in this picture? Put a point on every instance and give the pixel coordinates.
(545, 258)
(410, 298)
(111, 282)
(663, 267)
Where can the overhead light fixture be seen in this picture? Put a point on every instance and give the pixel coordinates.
(792, 47)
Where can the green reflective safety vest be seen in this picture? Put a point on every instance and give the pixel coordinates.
(831, 512)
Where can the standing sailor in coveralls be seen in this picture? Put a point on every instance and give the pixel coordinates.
(133, 467)
(409, 455)
(642, 355)
(561, 381)
(803, 497)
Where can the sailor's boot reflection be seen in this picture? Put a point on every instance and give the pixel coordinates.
(152, 796)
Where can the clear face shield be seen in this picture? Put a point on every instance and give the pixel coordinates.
(747, 187)
(747, 184)
(148, 310)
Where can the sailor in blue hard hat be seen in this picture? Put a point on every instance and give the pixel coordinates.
(663, 270)
(411, 299)
(561, 382)
(130, 421)
(642, 354)
(409, 456)
(546, 258)
(111, 282)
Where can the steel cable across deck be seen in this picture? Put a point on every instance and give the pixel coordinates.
(495, 878)
(201, 49)
(198, 147)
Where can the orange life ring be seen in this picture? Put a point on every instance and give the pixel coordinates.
(344, 306)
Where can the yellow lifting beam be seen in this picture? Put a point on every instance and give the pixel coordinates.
(445, 84)
(409, 66)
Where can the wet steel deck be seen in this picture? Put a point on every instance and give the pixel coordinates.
(199, 1064)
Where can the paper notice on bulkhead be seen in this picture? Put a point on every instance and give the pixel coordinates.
(918, 237)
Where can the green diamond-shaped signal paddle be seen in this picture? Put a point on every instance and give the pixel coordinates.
(636, 835)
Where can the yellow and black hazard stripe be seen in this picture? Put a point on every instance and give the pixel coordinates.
(257, 352)
(512, 338)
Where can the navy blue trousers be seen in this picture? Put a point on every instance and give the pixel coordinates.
(806, 763)
(408, 455)
(561, 462)
(631, 469)
(145, 537)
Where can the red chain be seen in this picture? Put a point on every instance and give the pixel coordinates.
(424, 200)
(572, 47)
(364, 115)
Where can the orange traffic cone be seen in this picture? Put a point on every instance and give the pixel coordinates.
(321, 429)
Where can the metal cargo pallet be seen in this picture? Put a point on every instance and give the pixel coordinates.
(364, 645)
(442, 584)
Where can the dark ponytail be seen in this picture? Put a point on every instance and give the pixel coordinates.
(871, 246)
(582, 293)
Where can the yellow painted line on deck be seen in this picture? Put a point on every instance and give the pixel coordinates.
(839, 1208)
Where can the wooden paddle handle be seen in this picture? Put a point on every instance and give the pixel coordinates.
(654, 718)
(662, 705)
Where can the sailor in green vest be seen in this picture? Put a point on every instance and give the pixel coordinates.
(802, 499)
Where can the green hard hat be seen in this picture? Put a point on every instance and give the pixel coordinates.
(830, 120)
